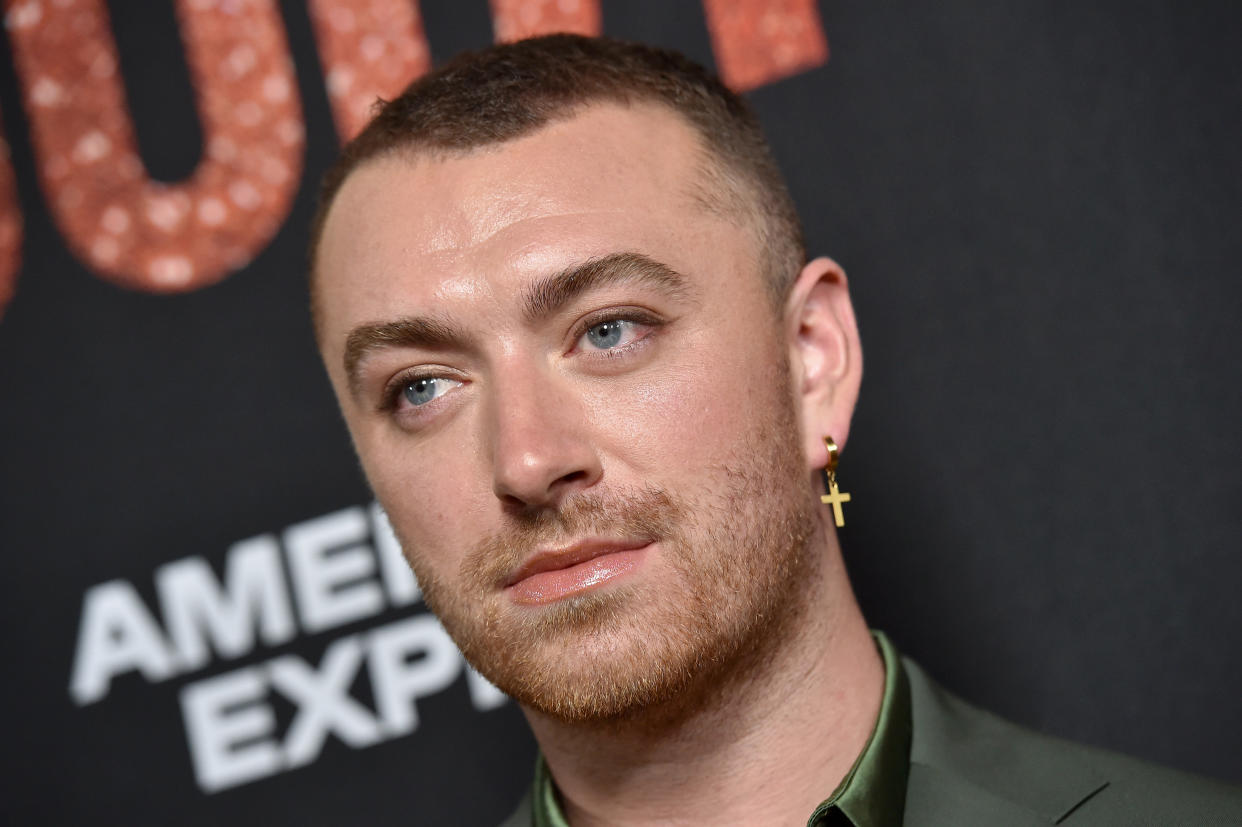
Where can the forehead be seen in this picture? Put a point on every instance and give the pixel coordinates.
(414, 233)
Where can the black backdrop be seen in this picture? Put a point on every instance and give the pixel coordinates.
(1037, 204)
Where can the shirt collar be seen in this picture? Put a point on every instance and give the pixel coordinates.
(547, 808)
(873, 792)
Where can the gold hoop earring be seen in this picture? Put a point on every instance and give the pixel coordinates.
(834, 495)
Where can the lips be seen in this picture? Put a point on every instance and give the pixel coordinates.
(555, 574)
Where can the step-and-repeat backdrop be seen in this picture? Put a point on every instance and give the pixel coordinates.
(207, 620)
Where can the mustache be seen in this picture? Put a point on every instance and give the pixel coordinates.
(646, 513)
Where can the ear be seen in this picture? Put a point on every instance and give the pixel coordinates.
(825, 356)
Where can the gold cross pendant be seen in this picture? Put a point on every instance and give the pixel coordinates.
(835, 497)
(834, 494)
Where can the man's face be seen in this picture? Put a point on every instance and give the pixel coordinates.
(570, 393)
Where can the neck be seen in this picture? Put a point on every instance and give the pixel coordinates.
(769, 748)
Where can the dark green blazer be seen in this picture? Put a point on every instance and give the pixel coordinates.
(969, 768)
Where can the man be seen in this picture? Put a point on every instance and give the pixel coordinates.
(562, 296)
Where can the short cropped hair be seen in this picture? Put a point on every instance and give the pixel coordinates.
(510, 90)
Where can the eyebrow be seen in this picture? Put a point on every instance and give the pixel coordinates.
(416, 331)
(550, 294)
(541, 299)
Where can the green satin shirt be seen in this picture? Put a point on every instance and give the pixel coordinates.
(873, 792)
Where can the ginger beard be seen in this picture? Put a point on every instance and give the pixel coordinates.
(736, 572)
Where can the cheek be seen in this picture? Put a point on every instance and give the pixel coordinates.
(427, 496)
(693, 413)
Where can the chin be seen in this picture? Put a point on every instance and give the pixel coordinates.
(622, 657)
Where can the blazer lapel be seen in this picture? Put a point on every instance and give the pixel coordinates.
(970, 767)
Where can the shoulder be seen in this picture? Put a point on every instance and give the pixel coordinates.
(969, 766)
(1141, 793)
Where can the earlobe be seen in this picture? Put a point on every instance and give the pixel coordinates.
(826, 353)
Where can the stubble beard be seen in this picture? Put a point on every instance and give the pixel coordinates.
(738, 574)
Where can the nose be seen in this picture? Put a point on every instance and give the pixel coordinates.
(541, 443)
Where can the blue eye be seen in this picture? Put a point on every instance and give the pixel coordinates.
(424, 389)
(609, 334)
